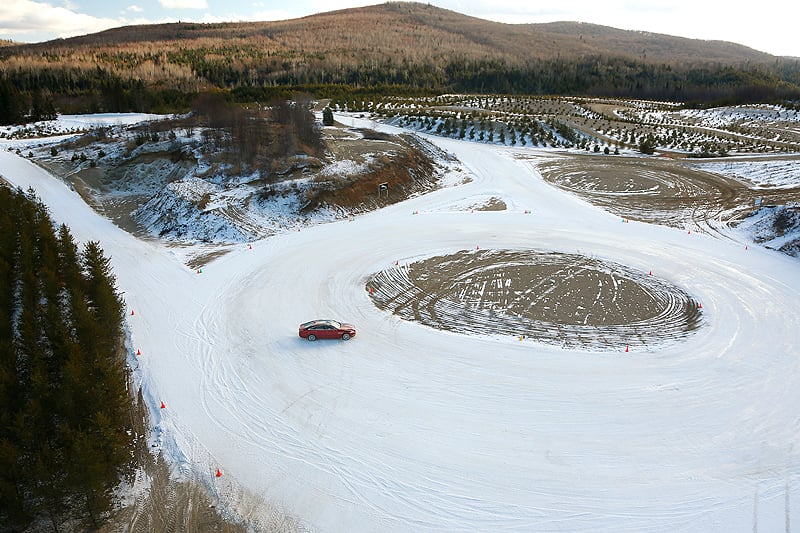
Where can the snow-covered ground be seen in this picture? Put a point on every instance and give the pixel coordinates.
(74, 124)
(764, 172)
(406, 428)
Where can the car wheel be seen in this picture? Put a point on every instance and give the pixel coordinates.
(312, 338)
(346, 337)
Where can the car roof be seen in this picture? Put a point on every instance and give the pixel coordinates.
(320, 321)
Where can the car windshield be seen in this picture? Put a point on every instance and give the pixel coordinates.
(334, 324)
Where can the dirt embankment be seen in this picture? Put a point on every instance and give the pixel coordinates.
(390, 178)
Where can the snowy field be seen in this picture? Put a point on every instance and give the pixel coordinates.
(408, 428)
(75, 123)
(764, 173)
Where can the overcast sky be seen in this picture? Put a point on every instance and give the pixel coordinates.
(768, 25)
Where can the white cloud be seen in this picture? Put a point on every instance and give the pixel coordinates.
(134, 9)
(183, 4)
(25, 20)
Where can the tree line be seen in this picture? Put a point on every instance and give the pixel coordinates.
(95, 88)
(30, 96)
(65, 434)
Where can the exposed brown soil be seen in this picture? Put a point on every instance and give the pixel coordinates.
(659, 190)
(389, 178)
(491, 204)
(564, 299)
(108, 187)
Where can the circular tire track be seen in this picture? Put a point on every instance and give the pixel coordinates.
(660, 192)
(563, 299)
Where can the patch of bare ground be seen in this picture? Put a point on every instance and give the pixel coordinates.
(159, 502)
(491, 204)
(403, 167)
(659, 190)
(156, 501)
(119, 187)
(554, 298)
(202, 258)
(357, 144)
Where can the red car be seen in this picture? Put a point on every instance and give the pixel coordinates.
(327, 329)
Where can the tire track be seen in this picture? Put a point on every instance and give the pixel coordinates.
(561, 299)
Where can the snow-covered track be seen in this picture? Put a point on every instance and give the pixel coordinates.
(412, 428)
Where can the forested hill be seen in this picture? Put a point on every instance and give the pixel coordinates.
(397, 47)
(412, 31)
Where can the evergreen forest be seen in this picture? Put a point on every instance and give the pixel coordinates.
(65, 438)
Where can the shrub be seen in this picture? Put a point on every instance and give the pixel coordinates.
(647, 145)
(327, 116)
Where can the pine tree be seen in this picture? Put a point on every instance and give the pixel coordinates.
(13, 104)
(327, 116)
(42, 107)
(13, 511)
(98, 450)
(647, 145)
(63, 401)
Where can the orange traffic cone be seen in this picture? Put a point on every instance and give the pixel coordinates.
(138, 352)
(219, 473)
(626, 349)
(163, 405)
(699, 305)
(132, 313)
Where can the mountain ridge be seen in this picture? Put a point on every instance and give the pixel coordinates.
(539, 40)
